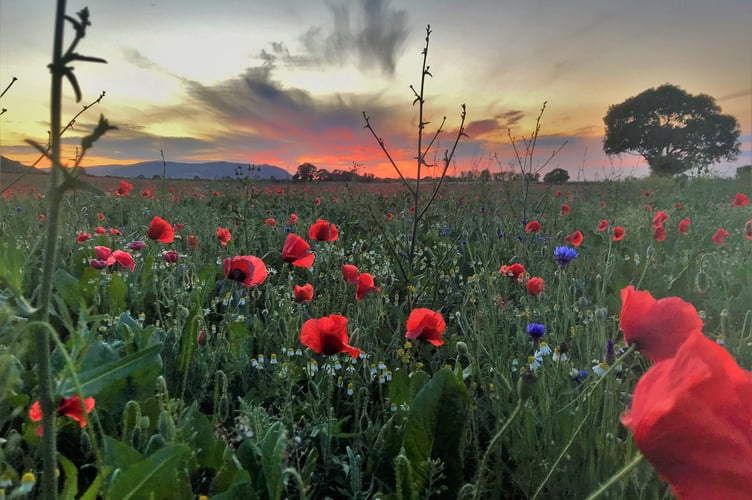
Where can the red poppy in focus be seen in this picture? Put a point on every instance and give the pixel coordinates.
(683, 225)
(658, 327)
(350, 274)
(575, 238)
(81, 237)
(532, 227)
(515, 271)
(564, 210)
(619, 233)
(70, 407)
(364, 285)
(720, 236)
(327, 335)
(740, 200)
(602, 225)
(248, 270)
(659, 218)
(323, 230)
(297, 251)
(535, 286)
(303, 293)
(748, 229)
(223, 235)
(160, 230)
(192, 242)
(690, 418)
(659, 234)
(427, 325)
(124, 188)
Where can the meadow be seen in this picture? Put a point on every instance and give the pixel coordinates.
(477, 357)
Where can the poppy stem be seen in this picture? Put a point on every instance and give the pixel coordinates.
(626, 470)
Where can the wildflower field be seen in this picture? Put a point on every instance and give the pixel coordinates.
(286, 340)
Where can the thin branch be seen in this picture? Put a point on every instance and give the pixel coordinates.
(8, 87)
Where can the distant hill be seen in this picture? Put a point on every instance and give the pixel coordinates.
(8, 166)
(176, 170)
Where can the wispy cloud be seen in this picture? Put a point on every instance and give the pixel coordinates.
(374, 38)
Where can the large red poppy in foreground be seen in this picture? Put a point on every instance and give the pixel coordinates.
(690, 413)
(327, 335)
(160, 230)
(427, 325)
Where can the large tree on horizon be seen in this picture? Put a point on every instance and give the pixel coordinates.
(673, 130)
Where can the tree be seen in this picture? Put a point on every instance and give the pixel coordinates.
(306, 172)
(673, 130)
(556, 176)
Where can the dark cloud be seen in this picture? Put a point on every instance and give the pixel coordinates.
(139, 60)
(501, 123)
(374, 39)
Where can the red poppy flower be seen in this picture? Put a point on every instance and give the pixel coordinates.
(115, 231)
(160, 230)
(659, 234)
(748, 229)
(170, 256)
(690, 418)
(365, 285)
(564, 210)
(124, 259)
(81, 237)
(677, 205)
(619, 233)
(535, 286)
(427, 325)
(575, 238)
(683, 225)
(100, 230)
(303, 293)
(323, 230)
(100, 216)
(557, 194)
(532, 227)
(41, 216)
(327, 335)
(350, 274)
(659, 218)
(292, 220)
(177, 227)
(70, 407)
(603, 204)
(297, 251)
(147, 194)
(192, 242)
(223, 235)
(271, 221)
(720, 236)
(740, 200)
(390, 216)
(136, 245)
(658, 327)
(602, 225)
(124, 188)
(246, 269)
(103, 253)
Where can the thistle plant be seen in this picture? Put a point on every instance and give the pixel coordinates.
(421, 204)
(63, 179)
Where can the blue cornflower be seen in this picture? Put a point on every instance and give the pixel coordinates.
(501, 234)
(288, 229)
(446, 231)
(19, 209)
(579, 376)
(564, 255)
(536, 331)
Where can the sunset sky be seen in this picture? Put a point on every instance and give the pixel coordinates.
(286, 82)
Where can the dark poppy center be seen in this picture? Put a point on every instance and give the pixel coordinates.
(330, 344)
(237, 275)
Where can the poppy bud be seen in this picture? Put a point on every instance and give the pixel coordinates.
(201, 338)
(462, 348)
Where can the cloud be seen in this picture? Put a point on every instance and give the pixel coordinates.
(139, 60)
(376, 40)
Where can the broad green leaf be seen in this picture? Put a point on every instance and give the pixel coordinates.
(94, 380)
(120, 455)
(434, 428)
(198, 433)
(154, 477)
(272, 449)
(117, 290)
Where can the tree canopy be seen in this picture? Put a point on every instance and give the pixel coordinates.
(556, 176)
(673, 130)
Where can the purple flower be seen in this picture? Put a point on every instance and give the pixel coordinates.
(564, 255)
(536, 331)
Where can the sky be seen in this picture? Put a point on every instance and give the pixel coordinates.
(287, 82)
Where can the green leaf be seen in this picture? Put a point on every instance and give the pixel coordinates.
(70, 488)
(434, 428)
(198, 432)
(116, 292)
(94, 380)
(272, 449)
(120, 455)
(154, 477)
